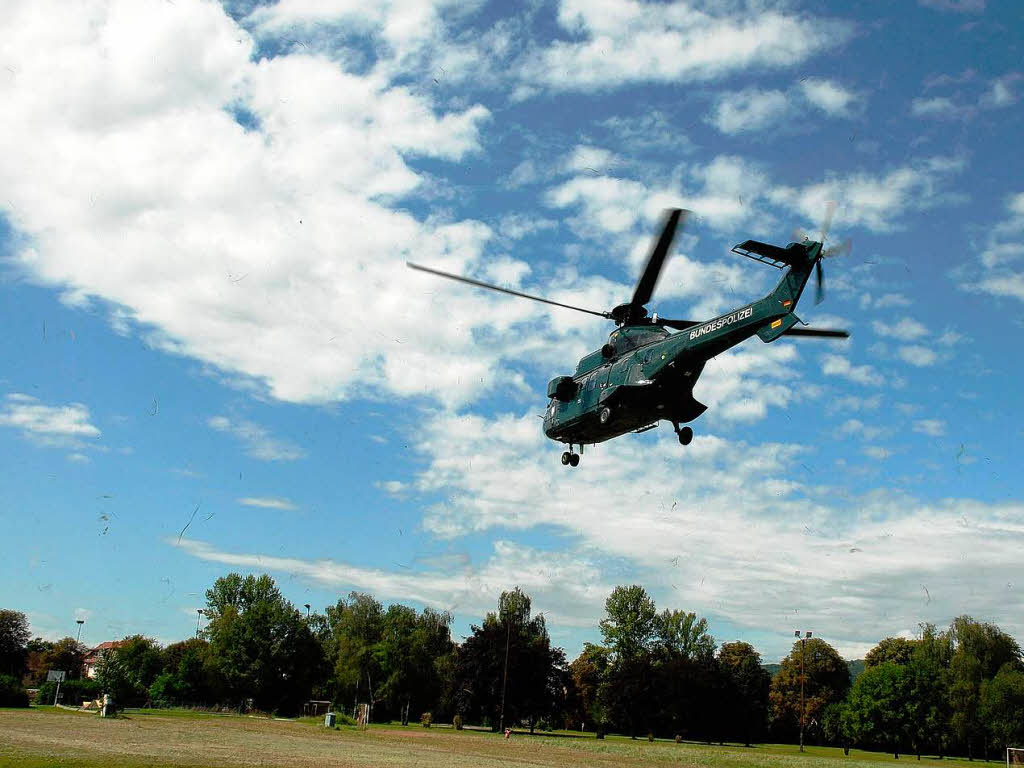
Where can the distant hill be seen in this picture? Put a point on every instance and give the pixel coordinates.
(856, 668)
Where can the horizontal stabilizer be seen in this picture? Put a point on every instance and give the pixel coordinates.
(771, 331)
(824, 333)
(766, 253)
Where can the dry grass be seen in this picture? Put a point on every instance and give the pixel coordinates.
(45, 738)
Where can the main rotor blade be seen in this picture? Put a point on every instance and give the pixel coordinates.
(510, 292)
(679, 325)
(843, 249)
(820, 294)
(649, 278)
(826, 225)
(825, 333)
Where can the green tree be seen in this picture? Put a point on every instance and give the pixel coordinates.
(187, 676)
(1002, 706)
(879, 709)
(630, 629)
(356, 626)
(14, 637)
(588, 673)
(826, 680)
(66, 654)
(897, 650)
(259, 644)
(747, 685)
(980, 651)
(536, 671)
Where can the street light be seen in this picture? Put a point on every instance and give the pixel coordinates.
(803, 712)
(307, 609)
(199, 616)
(79, 622)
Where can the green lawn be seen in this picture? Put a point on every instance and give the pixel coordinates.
(165, 738)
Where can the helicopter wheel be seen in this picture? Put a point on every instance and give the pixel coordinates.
(566, 458)
(606, 415)
(685, 436)
(574, 459)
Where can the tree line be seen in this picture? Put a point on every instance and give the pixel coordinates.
(958, 690)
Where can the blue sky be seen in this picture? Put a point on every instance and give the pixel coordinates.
(215, 359)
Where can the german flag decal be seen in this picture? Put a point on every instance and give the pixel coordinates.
(786, 303)
(776, 324)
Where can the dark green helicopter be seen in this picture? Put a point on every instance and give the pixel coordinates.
(644, 373)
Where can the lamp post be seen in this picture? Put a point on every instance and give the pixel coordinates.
(307, 610)
(803, 716)
(199, 617)
(79, 622)
(504, 677)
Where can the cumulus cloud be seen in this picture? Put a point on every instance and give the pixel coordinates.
(829, 96)
(46, 422)
(258, 441)
(930, 427)
(622, 41)
(748, 110)
(1000, 270)
(905, 329)
(917, 355)
(837, 365)
(221, 240)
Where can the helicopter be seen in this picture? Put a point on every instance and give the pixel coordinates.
(644, 373)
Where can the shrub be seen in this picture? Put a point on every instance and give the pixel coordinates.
(12, 692)
(73, 692)
(650, 736)
(425, 719)
(679, 739)
(457, 722)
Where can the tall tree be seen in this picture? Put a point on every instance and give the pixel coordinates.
(826, 680)
(980, 650)
(879, 709)
(14, 637)
(748, 683)
(588, 673)
(259, 643)
(356, 626)
(630, 629)
(1002, 706)
(897, 650)
(534, 668)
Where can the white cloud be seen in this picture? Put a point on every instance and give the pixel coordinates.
(837, 365)
(258, 442)
(905, 329)
(930, 427)
(46, 422)
(568, 587)
(219, 241)
(268, 502)
(1000, 256)
(875, 202)
(707, 513)
(748, 110)
(622, 41)
(917, 355)
(829, 96)
(78, 458)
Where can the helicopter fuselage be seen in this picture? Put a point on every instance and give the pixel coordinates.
(645, 374)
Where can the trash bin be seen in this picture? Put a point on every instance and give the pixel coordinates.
(329, 720)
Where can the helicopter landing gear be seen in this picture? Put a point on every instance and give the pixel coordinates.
(605, 415)
(570, 458)
(685, 434)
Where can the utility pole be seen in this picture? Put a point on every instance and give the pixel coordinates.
(803, 715)
(504, 678)
(199, 617)
(79, 622)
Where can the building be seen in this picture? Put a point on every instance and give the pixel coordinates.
(92, 658)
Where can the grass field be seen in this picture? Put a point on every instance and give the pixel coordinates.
(43, 737)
